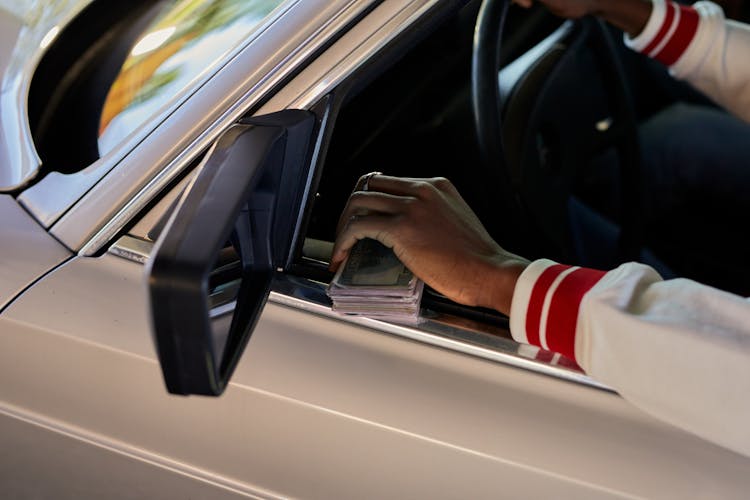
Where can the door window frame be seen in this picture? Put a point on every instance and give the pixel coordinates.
(465, 330)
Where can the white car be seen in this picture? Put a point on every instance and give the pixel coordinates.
(171, 176)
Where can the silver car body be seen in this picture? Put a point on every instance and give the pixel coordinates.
(320, 406)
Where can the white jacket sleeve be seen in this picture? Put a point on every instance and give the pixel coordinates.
(699, 45)
(677, 349)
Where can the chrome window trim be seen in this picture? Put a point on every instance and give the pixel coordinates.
(324, 119)
(350, 62)
(133, 249)
(436, 329)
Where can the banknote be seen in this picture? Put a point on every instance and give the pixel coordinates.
(372, 264)
(373, 282)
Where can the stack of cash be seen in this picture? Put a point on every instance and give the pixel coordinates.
(373, 282)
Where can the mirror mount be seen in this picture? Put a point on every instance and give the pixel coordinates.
(247, 192)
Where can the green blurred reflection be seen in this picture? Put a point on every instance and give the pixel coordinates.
(185, 42)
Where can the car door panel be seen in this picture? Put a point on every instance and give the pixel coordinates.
(320, 408)
(249, 191)
(48, 462)
(27, 250)
(320, 405)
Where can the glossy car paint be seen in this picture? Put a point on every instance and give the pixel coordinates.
(320, 406)
(321, 409)
(27, 250)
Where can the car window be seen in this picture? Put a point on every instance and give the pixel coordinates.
(184, 42)
(420, 130)
(119, 67)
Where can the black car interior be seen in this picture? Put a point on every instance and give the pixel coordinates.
(548, 159)
(564, 186)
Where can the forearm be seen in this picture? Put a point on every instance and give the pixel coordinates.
(500, 280)
(700, 46)
(696, 43)
(629, 15)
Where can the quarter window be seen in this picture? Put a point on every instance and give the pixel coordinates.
(120, 66)
(184, 44)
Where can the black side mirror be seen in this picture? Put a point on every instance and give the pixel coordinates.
(245, 198)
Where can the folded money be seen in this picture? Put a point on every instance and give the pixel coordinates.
(373, 282)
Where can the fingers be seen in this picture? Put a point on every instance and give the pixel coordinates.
(363, 202)
(377, 227)
(409, 186)
(376, 213)
(363, 182)
(523, 3)
(390, 195)
(403, 186)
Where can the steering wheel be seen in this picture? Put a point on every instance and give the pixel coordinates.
(537, 134)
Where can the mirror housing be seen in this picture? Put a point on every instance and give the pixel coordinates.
(248, 192)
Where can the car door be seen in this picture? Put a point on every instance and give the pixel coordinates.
(319, 405)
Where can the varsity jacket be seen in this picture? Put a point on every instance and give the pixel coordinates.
(699, 45)
(677, 349)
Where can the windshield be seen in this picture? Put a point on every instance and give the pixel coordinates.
(187, 42)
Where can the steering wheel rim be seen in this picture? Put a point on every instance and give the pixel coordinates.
(488, 31)
(485, 88)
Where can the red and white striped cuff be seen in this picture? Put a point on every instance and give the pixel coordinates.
(668, 32)
(546, 303)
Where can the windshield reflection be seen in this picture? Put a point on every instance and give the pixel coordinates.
(184, 45)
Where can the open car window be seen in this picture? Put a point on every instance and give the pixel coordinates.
(408, 112)
(373, 122)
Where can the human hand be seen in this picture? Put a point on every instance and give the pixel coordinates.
(570, 9)
(435, 234)
(628, 15)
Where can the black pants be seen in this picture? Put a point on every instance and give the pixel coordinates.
(696, 201)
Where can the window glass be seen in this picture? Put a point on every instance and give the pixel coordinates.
(185, 42)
